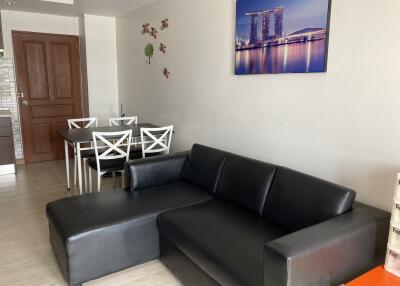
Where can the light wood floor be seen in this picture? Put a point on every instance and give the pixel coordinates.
(25, 253)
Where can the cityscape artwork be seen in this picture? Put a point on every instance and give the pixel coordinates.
(281, 36)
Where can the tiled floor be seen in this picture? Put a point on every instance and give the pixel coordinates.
(25, 253)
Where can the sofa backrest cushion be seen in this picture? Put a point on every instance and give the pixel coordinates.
(203, 167)
(154, 171)
(245, 182)
(296, 200)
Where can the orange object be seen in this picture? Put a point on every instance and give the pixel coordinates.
(376, 277)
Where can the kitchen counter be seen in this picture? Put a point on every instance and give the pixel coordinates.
(5, 113)
(7, 153)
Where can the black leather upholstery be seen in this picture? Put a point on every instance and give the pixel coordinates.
(182, 266)
(110, 165)
(107, 165)
(135, 154)
(329, 253)
(154, 171)
(102, 233)
(245, 182)
(224, 240)
(88, 153)
(222, 220)
(296, 200)
(204, 167)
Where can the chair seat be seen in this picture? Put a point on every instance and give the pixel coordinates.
(135, 153)
(108, 165)
(88, 153)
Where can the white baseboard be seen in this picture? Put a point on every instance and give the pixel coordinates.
(7, 169)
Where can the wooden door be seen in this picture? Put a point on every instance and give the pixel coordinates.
(49, 84)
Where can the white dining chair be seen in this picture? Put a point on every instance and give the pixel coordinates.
(79, 123)
(156, 140)
(136, 148)
(112, 152)
(118, 121)
(82, 123)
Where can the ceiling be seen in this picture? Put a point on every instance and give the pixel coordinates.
(95, 7)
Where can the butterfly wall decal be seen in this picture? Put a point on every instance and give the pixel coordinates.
(164, 24)
(163, 48)
(146, 28)
(166, 72)
(153, 32)
(149, 48)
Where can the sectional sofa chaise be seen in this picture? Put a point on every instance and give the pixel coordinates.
(216, 218)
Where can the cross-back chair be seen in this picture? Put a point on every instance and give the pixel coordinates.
(111, 154)
(79, 123)
(136, 149)
(82, 123)
(156, 140)
(118, 121)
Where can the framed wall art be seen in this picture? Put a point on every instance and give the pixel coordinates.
(281, 36)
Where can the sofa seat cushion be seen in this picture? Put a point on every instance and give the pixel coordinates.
(77, 215)
(223, 239)
(102, 233)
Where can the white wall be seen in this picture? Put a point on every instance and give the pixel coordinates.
(34, 22)
(82, 51)
(342, 125)
(101, 59)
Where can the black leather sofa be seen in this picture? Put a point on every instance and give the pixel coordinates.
(216, 218)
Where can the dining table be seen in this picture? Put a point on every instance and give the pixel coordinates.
(81, 138)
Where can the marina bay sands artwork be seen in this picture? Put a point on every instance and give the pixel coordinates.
(281, 36)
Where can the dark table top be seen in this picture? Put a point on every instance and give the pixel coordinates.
(85, 134)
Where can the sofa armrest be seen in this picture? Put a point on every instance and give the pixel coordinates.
(329, 253)
(154, 171)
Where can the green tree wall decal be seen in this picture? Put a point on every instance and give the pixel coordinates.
(149, 51)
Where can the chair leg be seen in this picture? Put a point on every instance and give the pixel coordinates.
(98, 181)
(85, 174)
(90, 180)
(113, 176)
(123, 179)
(75, 167)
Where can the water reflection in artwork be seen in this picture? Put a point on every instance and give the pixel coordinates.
(292, 58)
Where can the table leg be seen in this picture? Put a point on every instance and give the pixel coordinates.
(79, 162)
(67, 163)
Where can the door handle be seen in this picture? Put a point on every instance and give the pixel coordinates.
(25, 102)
